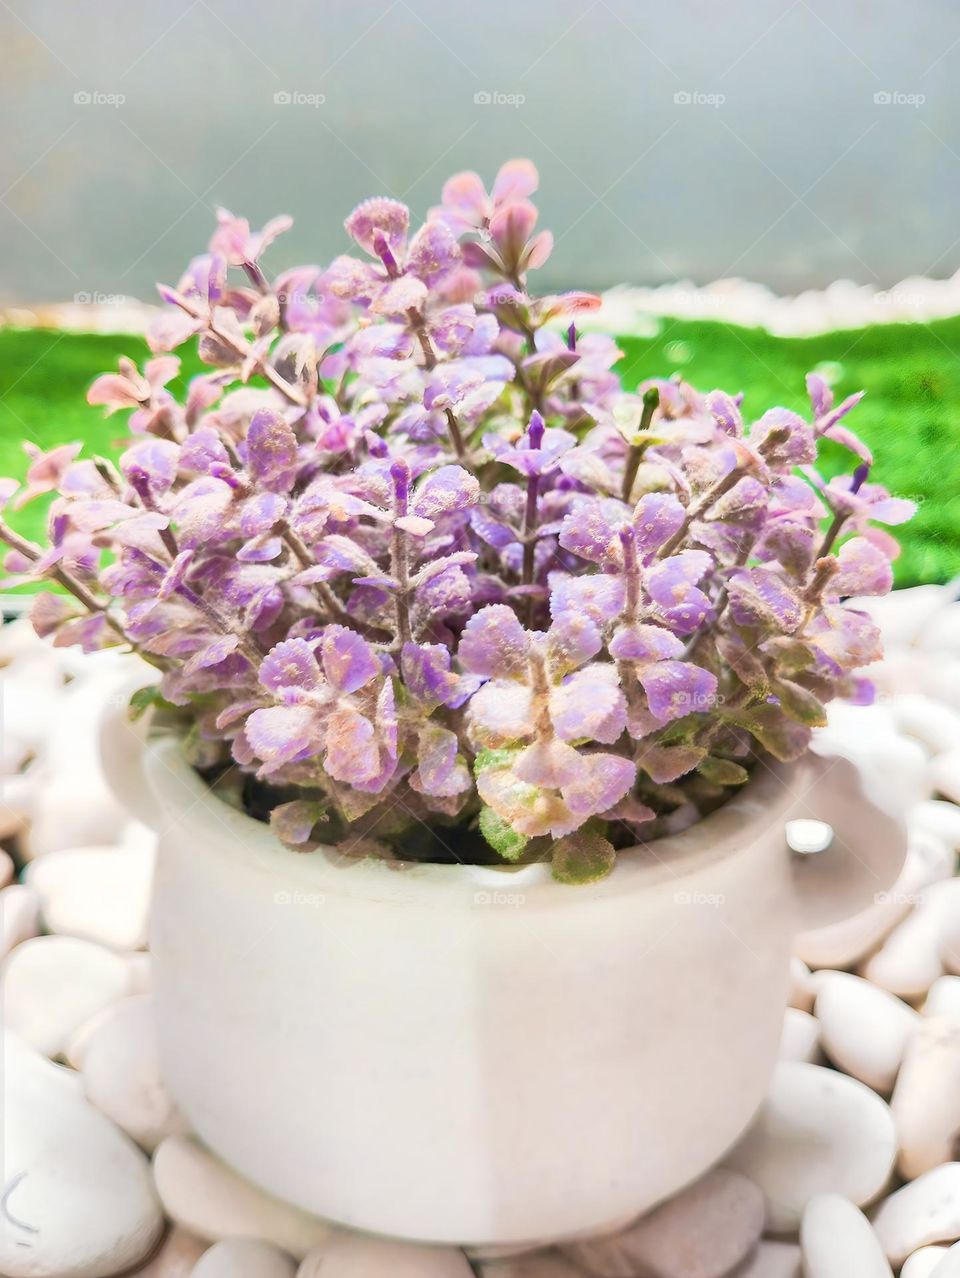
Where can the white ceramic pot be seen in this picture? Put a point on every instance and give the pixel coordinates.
(459, 1054)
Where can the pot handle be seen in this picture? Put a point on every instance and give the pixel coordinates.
(861, 859)
(123, 742)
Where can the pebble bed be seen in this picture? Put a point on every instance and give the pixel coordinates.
(851, 1169)
(629, 309)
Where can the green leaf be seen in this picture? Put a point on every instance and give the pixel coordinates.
(800, 704)
(582, 857)
(743, 662)
(781, 736)
(722, 771)
(293, 823)
(145, 699)
(501, 836)
(492, 759)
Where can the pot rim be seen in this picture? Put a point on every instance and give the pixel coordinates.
(763, 802)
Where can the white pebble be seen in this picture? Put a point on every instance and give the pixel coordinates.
(895, 770)
(79, 807)
(140, 969)
(946, 680)
(938, 817)
(864, 1029)
(359, 1256)
(19, 916)
(18, 640)
(949, 1264)
(209, 1199)
(944, 998)
(817, 1132)
(66, 816)
(922, 1263)
(800, 1040)
(17, 802)
(910, 959)
(802, 993)
(52, 984)
(545, 1265)
(941, 632)
(927, 1210)
(931, 722)
(505, 1251)
(244, 1258)
(950, 944)
(772, 1259)
(945, 775)
(713, 1225)
(903, 615)
(99, 894)
(32, 695)
(847, 941)
(78, 1198)
(116, 1053)
(926, 1100)
(178, 1254)
(837, 1241)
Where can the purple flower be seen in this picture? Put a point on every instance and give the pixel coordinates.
(237, 244)
(827, 417)
(317, 711)
(466, 204)
(410, 552)
(538, 450)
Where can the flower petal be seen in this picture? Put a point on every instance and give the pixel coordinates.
(281, 734)
(494, 642)
(678, 688)
(348, 660)
(291, 664)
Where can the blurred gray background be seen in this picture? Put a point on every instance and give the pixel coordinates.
(787, 141)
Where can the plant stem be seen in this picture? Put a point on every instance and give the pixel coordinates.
(430, 361)
(76, 588)
(401, 571)
(529, 530)
(242, 351)
(324, 591)
(256, 277)
(833, 532)
(399, 550)
(651, 399)
(698, 508)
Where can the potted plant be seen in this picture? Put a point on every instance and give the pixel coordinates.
(484, 692)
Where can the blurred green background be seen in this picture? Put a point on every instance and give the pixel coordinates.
(910, 416)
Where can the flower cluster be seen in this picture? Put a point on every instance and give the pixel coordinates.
(415, 568)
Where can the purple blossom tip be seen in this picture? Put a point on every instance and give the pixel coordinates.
(535, 430)
(400, 475)
(381, 247)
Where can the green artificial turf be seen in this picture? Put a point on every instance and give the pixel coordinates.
(910, 417)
